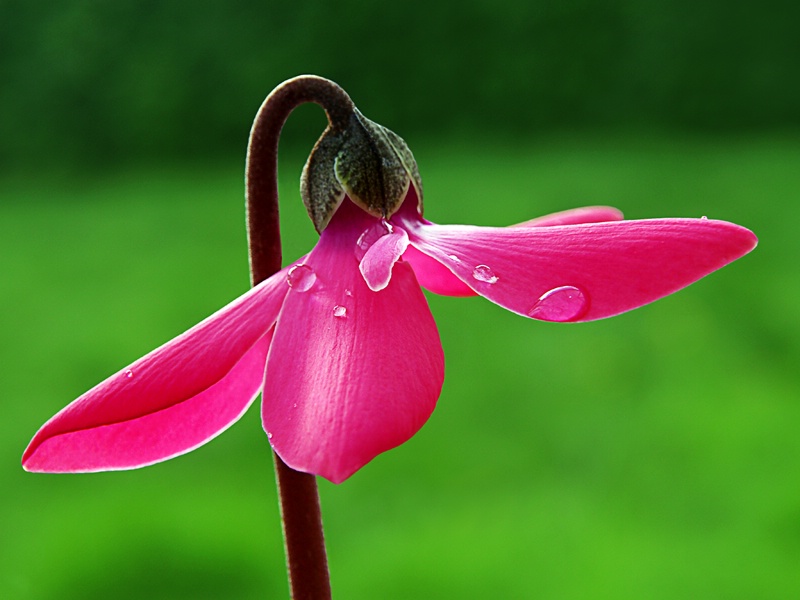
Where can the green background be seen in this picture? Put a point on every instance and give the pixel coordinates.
(653, 455)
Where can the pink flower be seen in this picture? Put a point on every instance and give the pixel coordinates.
(344, 346)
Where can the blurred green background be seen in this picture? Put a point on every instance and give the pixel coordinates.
(653, 455)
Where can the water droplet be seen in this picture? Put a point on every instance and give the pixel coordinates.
(704, 218)
(371, 235)
(454, 258)
(565, 303)
(301, 278)
(339, 311)
(348, 293)
(484, 274)
(128, 373)
(269, 435)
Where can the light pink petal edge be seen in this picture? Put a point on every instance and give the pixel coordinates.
(351, 372)
(583, 272)
(575, 216)
(170, 401)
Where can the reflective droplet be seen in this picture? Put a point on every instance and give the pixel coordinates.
(565, 303)
(484, 274)
(371, 235)
(704, 218)
(128, 373)
(269, 435)
(348, 293)
(454, 258)
(339, 311)
(301, 278)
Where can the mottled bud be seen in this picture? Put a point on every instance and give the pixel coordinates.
(365, 161)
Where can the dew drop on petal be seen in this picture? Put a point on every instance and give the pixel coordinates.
(560, 304)
(339, 311)
(269, 435)
(484, 274)
(454, 258)
(348, 293)
(301, 278)
(371, 235)
(128, 373)
(704, 218)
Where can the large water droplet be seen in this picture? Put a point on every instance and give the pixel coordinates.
(301, 278)
(128, 373)
(565, 303)
(484, 274)
(340, 312)
(371, 235)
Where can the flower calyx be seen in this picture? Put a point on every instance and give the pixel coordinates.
(370, 164)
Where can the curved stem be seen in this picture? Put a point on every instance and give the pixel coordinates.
(300, 511)
(261, 172)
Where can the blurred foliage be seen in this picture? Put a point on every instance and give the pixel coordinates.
(652, 455)
(88, 80)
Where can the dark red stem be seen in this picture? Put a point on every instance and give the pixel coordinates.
(306, 559)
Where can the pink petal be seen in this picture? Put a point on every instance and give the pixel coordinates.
(583, 272)
(434, 276)
(170, 401)
(376, 266)
(575, 216)
(438, 277)
(351, 372)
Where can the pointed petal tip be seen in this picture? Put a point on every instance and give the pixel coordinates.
(735, 240)
(749, 237)
(26, 462)
(335, 473)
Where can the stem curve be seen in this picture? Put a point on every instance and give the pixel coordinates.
(261, 171)
(301, 517)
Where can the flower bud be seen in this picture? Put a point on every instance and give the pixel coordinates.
(365, 161)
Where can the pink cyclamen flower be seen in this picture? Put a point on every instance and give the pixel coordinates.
(343, 344)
